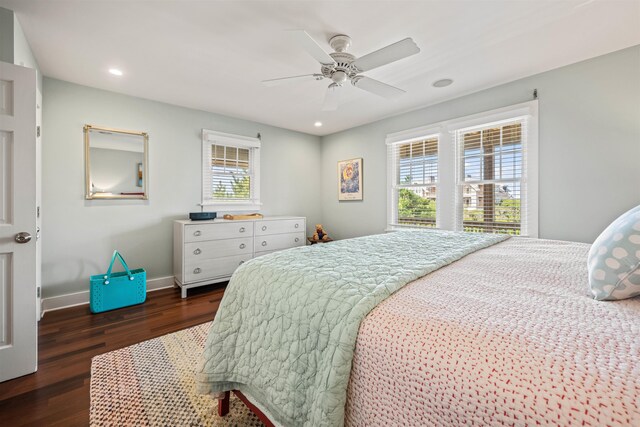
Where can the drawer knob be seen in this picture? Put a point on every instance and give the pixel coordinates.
(197, 233)
(242, 229)
(264, 227)
(197, 251)
(264, 243)
(242, 245)
(297, 239)
(197, 271)
(297, 225)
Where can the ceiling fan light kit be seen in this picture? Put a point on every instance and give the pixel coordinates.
(341, 66)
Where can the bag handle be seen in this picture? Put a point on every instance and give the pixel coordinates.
(117, 255)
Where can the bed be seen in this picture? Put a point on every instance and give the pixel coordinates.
(496, 331)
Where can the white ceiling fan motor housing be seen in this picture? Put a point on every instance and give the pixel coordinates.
(342, 70)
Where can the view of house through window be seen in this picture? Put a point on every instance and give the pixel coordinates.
(491, 166)
(416, 186)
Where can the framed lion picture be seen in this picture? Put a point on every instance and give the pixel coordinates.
(350, 179)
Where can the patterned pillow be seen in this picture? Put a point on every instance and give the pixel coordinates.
(614, 259)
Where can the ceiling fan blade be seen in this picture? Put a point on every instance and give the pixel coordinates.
(386, 55)
(305, 41)
(332, 98)
(283, 80)
(376, 87)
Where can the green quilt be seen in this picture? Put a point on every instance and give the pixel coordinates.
(286, 328)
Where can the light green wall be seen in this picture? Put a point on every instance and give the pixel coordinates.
(6, 35)
(589, 138)
(78, 236)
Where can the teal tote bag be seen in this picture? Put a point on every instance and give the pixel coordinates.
(115, 290)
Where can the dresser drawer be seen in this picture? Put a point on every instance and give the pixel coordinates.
(279, 226)
(223, 230)
(279, 241)
(196, 271)
(217, 249)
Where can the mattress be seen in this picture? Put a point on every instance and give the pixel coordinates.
(507, 335)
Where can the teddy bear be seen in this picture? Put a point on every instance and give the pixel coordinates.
(320, 234)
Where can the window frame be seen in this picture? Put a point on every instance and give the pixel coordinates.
(210, 138)
(450, 203)
(393, 185)
(483, 180)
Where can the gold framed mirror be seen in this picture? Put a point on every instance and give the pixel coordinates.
(116, 163)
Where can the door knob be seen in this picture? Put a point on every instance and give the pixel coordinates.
(23, 237)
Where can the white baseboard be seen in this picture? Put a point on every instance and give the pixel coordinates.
(80, 298)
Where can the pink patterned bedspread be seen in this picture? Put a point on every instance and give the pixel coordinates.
(506, 336)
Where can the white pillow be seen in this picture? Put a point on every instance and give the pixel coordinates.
(614, 259)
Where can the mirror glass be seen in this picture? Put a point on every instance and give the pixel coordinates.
(116, 163)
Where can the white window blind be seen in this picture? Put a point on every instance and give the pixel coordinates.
(492, 181)
(230, 172)
(414, 187)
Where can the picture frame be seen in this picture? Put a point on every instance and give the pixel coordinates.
(350, 179)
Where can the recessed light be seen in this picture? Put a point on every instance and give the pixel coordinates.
(317, 124)
(115, 71)
(442, 83)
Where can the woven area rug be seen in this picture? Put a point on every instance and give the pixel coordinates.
(152, 384)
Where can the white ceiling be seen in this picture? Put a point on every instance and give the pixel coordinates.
(212, 55)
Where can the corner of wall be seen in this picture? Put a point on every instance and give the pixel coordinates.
(6, 35)
(22, 53)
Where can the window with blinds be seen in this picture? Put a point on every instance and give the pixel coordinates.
(477, 173)
(230, 165)
(415, 188)
(230, 175)
(491, 183)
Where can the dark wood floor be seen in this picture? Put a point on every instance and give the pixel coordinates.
(58, 394)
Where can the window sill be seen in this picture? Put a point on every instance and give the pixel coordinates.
(396, 227)
(226, 207)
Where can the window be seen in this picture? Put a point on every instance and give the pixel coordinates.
(415, 184)
(490, 180)
(230, 173)
(476, 174)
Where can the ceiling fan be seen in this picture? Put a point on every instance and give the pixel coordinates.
(341, 66)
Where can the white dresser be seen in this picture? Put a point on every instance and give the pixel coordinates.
(206, 252)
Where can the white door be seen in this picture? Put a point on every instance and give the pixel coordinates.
(38, 204)
(18, 325)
